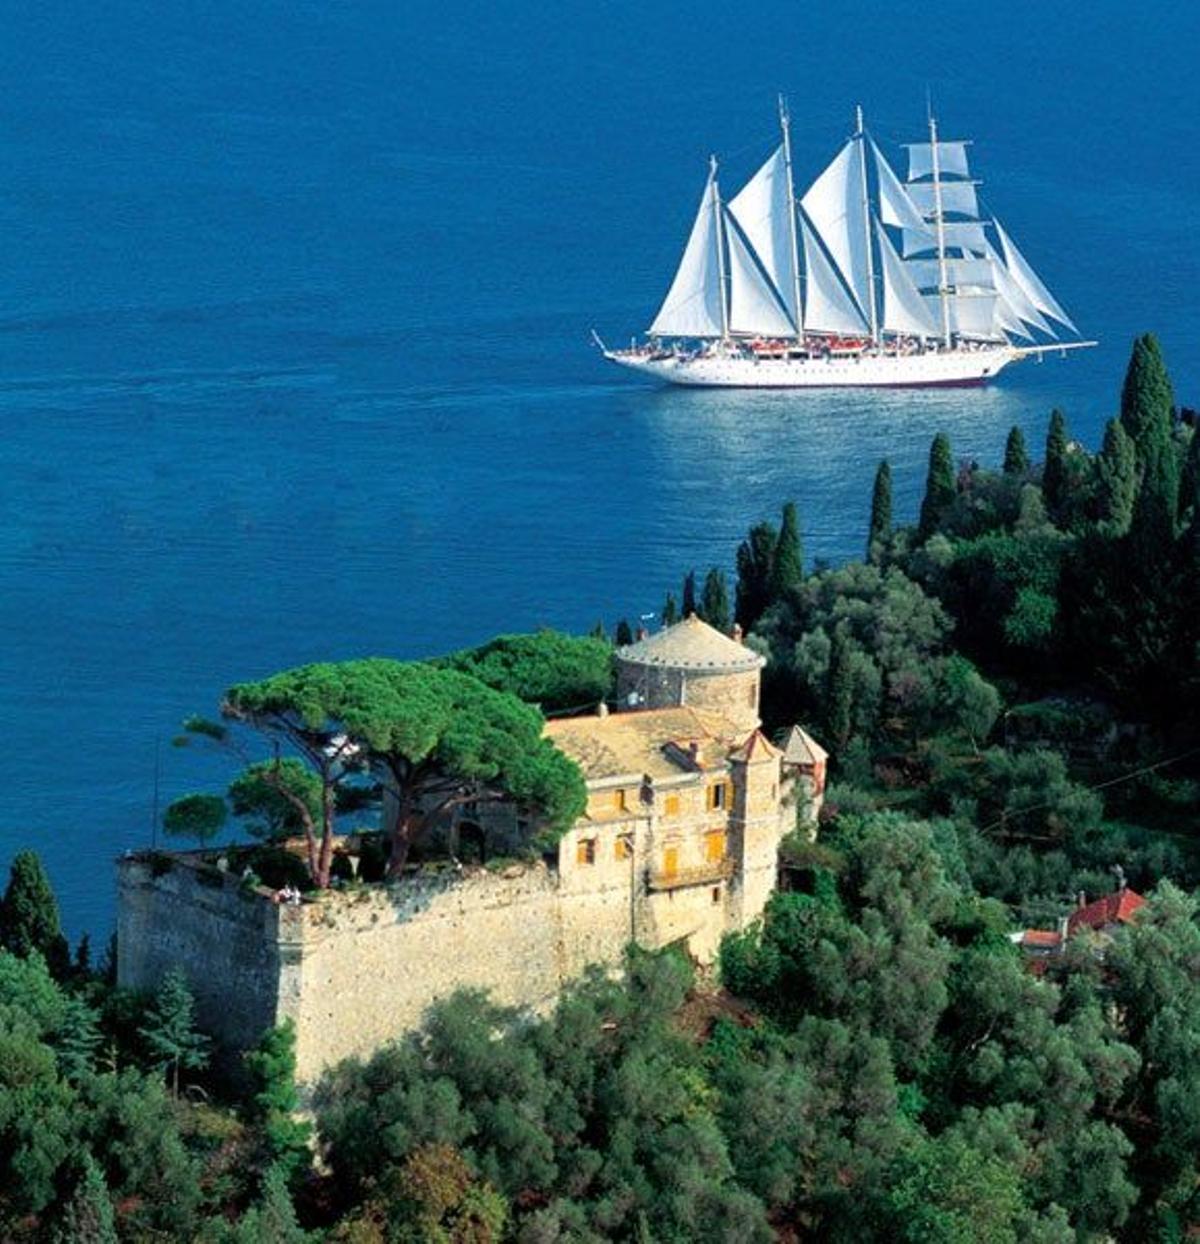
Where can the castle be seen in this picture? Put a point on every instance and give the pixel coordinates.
(687, 803)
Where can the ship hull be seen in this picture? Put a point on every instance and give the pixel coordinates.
(941, 369)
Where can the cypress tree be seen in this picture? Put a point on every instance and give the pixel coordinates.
(787, 564)
(880, 532)
(839, 690)
(939, 486)
(1147, 398)
(169, 1030)
(1189, 480)
(1117, 474)
(88, 1218)
(715, 601)
(598, 631)
(670, 611)
(1055, 475)
(1016, 456)
(755, 556)
(29, 914)
(1152, 530)
(689, 594)
(623, 635)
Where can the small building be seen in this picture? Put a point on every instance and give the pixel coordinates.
(678, 845)
(1102, 919)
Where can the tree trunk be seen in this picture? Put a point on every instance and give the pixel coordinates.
(329, 813)
(401, 841)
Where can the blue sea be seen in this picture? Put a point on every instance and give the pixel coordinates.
(295, 301)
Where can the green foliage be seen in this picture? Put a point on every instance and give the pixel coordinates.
(670, 610)
(1147, 397)
(274, 1102)
(714, 602)
(1117, 473)
(89, 1213)
(939, 486)
(77, 1038)
(273, 796)
(1056, 472)
(195, 816)
(623, 636)
(273, 1219)
(690, 604)
(29, 920)
(879, 530)
(1016, 455)
(169, 1032)
(549, 669)
(787, 563)
(755, 557)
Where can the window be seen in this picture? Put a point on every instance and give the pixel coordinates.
(752, 696)
(617, 800)
(623, 847)
(670, 861)
(585, 851)
(716, 894)
(718, 796)
(714, 846)
(671, 805)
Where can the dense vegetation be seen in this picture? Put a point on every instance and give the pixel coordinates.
(1009, 690)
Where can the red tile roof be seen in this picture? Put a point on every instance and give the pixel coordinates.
(1040, 937)
(1116, 908)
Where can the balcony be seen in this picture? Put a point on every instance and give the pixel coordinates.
(703, 874)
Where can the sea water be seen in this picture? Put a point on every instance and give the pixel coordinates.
(294, 335)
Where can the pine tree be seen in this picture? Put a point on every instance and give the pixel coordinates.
(598, 632)
(29, 914)
(169, 1030)
(1016, 456)
(670, 611)
(77, 1038)
(1117, 474)
(939, 486)
(787, 564)
(273, 1219)
(88, 1217)
(689, 594)
(714, 602)
(1055, 473)
(755, 556)
(839, 690)
(1147, 398)
(623, 636)
(272, 1068)
(1189, 480)
(880, 533)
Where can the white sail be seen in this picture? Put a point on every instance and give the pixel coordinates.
(827, 306)
(952, 160)
(904, 310)
(692, 307)
(834, 205)
(1029, 282)
(957, 196)
(967, 235)
(754, 306)
(761, 209)
(1014, 302)
(895, 207)
(971, 315)
(926, 274)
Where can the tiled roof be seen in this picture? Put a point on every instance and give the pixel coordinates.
(756, 747)
(650, 741)
(691, 645)
(1041, 937)
(800, 748)
(1116, 908)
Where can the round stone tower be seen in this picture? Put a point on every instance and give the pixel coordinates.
(691, 663)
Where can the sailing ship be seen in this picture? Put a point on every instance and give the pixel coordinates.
(907, 286)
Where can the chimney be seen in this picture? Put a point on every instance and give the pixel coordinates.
(1081, 898)
(602, 709)
(1063, 925)
(736, 633)
(1121, 884)
(694, 752)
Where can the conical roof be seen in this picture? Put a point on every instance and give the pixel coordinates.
(691, 645)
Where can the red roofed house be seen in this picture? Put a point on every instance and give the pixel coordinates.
(1103, 918)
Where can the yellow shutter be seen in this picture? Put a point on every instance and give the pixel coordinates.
(585, 851)
(671, 805)
(623, 848)
(670, 861)
(714, 846)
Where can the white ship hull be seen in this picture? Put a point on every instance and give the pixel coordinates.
(868, 370)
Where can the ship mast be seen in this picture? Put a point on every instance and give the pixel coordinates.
(866, 205)
(785, 125)
(943, 288)
(722, 274)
